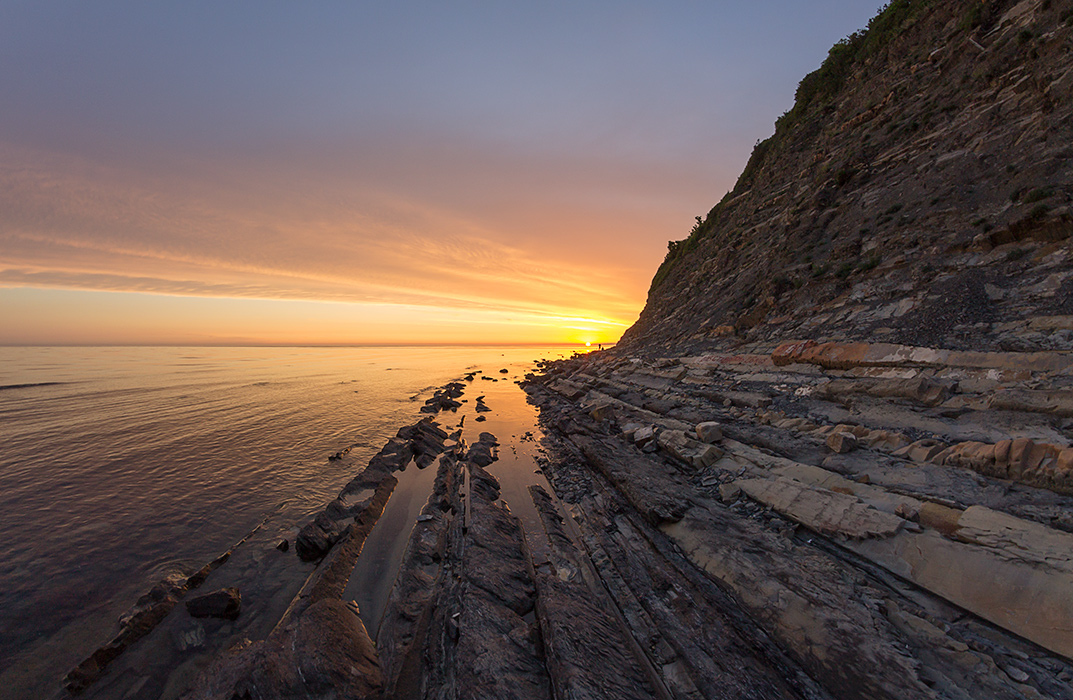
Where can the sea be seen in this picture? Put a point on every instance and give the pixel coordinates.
(118, 463)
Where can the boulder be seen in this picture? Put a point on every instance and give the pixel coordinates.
(483, 452)
(327, 653)
(921, 450)
(682, 447)
(842, 442)
(602, 411)
(709, 432)
(313, 542)
(643, 435)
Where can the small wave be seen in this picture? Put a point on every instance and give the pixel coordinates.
(427, 389)
(29, 386)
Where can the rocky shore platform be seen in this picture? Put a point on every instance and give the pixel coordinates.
(894, 520)
(798, 520)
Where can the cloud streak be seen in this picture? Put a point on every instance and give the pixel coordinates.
(75, 225)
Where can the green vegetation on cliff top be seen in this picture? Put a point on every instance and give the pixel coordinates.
(816, 90)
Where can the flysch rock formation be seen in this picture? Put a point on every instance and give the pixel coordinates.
(893, 569)
(831, 459)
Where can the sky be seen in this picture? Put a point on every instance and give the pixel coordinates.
(357, 172)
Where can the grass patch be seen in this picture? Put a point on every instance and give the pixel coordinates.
(844, 175)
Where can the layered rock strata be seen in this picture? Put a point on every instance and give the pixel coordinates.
(889, 543)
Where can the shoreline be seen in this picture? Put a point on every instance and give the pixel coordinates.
(706, 524)
(160, 635)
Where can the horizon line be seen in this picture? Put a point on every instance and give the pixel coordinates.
(298, 345)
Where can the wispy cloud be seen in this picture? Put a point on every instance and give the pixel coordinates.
(73, 224)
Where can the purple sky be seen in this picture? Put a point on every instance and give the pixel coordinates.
(477, 171)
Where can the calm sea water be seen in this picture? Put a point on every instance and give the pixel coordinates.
(116, 463)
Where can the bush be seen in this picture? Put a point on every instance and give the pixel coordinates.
(869, 264)
(855, 49)
(844, 175)
(676, 250)
(1038, 212)
(983, 15)
(1038, 194)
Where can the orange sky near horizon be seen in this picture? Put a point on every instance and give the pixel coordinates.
(80, 317)
(95, 254)
(372, 173)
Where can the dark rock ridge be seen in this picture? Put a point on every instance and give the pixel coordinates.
(420, 442)
(148, 612)
(321, 648)
(918, 193)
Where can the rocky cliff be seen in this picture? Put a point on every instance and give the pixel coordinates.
(918, 193)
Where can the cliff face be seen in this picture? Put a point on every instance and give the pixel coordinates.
(918, 193)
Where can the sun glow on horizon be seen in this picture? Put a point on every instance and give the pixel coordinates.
(71, 317)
